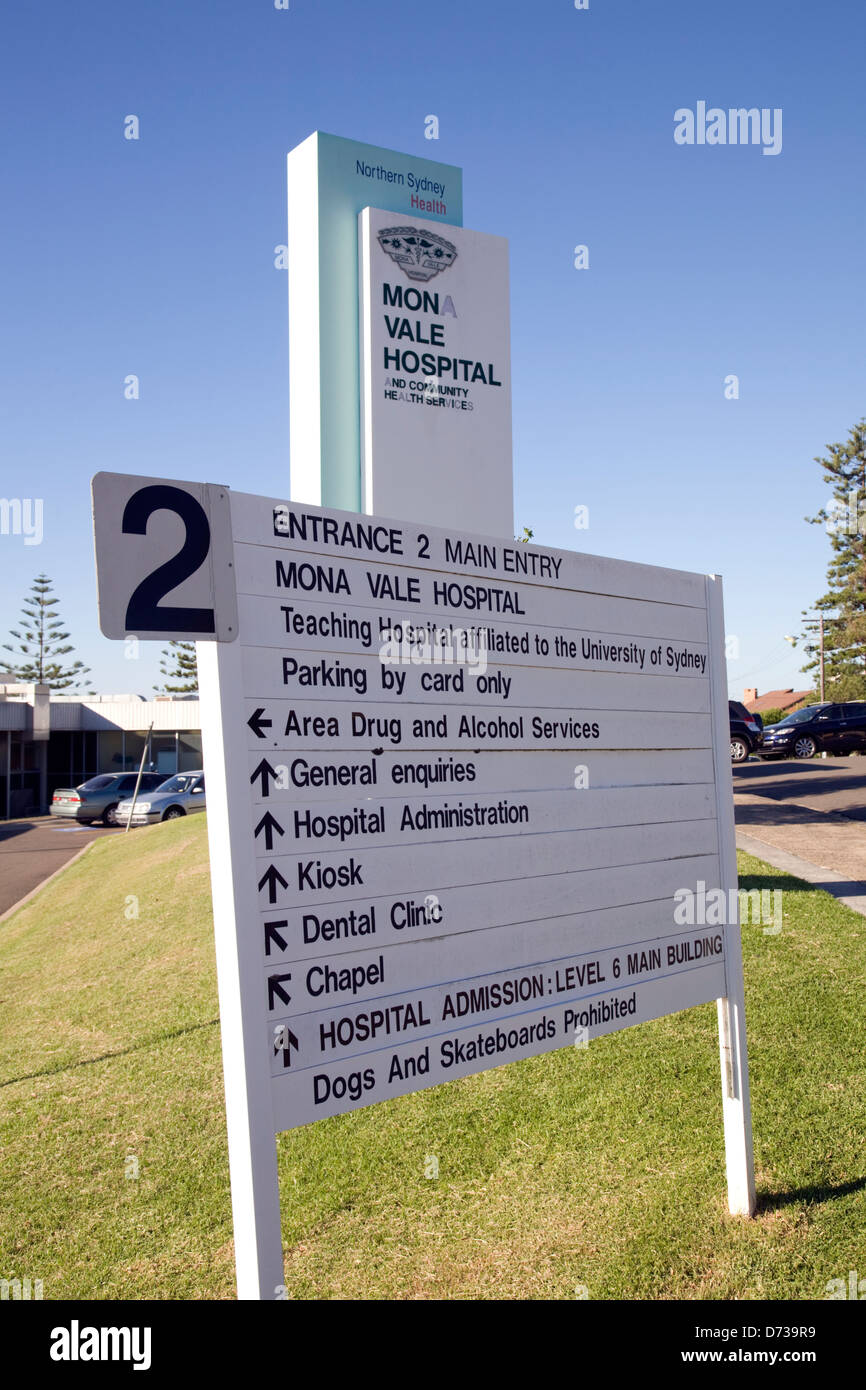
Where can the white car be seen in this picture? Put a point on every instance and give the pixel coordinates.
(181, 795)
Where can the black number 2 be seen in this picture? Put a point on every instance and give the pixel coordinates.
(143, 613)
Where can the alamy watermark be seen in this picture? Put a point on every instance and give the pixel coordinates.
(77, 1343)
(427, 644)
(22, 516)
(846, 518)
(18, 1289)
(718, 907)
(736, 126)
(853, 1287)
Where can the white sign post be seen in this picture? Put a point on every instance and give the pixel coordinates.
(736, 1103)
(459, 790)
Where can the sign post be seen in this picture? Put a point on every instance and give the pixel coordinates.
(249, 1111)
(736, 1104)
(457, 787)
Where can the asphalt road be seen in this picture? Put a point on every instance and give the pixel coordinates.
(31, 850)
(823, 784)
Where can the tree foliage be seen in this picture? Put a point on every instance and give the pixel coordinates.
(40, 644)
(844, 604)
(179, 667)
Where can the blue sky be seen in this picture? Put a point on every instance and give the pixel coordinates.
(156, 257)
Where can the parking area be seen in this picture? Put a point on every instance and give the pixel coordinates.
(32, 850)
(807, 816)
(822, 784)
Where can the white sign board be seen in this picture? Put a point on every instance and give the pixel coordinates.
(468, 801)
(435, 371)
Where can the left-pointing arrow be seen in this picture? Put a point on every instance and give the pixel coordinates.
(275, 987)
(268, 825)
(270, 878)
(256, 722)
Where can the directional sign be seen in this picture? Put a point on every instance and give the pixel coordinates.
(469, 802)
(266, 776)
(269, 880)
(273, 936)
(257, 723)
(276, 990)
(284, 1041)
(268, 824)
(444, 746)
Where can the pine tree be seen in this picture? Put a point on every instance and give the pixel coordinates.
(844, 604)
(39, 642)
(179, 664)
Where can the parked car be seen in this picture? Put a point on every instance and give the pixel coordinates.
(98, 798)
(825, 728)
(746, 736)
(181, 795)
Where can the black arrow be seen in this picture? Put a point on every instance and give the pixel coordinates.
(256, 722)
(270, 877)
(264, 770)
(269, 825)
(284, 1041)
(272, 934)
(275, 986)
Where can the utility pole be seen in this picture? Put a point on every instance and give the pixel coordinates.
(810, 627)
(821, 642)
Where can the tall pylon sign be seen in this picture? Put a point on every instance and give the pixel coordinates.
(399, 340)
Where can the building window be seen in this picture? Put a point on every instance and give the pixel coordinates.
(163, 754)
(110, 755)
(188, 752)
(133, 747)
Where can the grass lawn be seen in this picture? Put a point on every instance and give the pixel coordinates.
(599, 1170)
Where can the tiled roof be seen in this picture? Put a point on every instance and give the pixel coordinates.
(780, 699)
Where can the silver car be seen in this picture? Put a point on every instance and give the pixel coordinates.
(181, 795)
(99, 798)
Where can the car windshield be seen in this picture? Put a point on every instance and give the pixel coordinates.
(180, 783)
(800, 716)
(97, 784)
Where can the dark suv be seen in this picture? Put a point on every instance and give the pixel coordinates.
(826, 728)
(746, 734)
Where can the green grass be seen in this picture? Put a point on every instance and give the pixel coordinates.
(601, 1168)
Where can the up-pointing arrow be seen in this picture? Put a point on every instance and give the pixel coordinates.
(269, 825)
(272, 933)
(264, 770)
(272, 877)
(256, 722)
(284, 1041)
